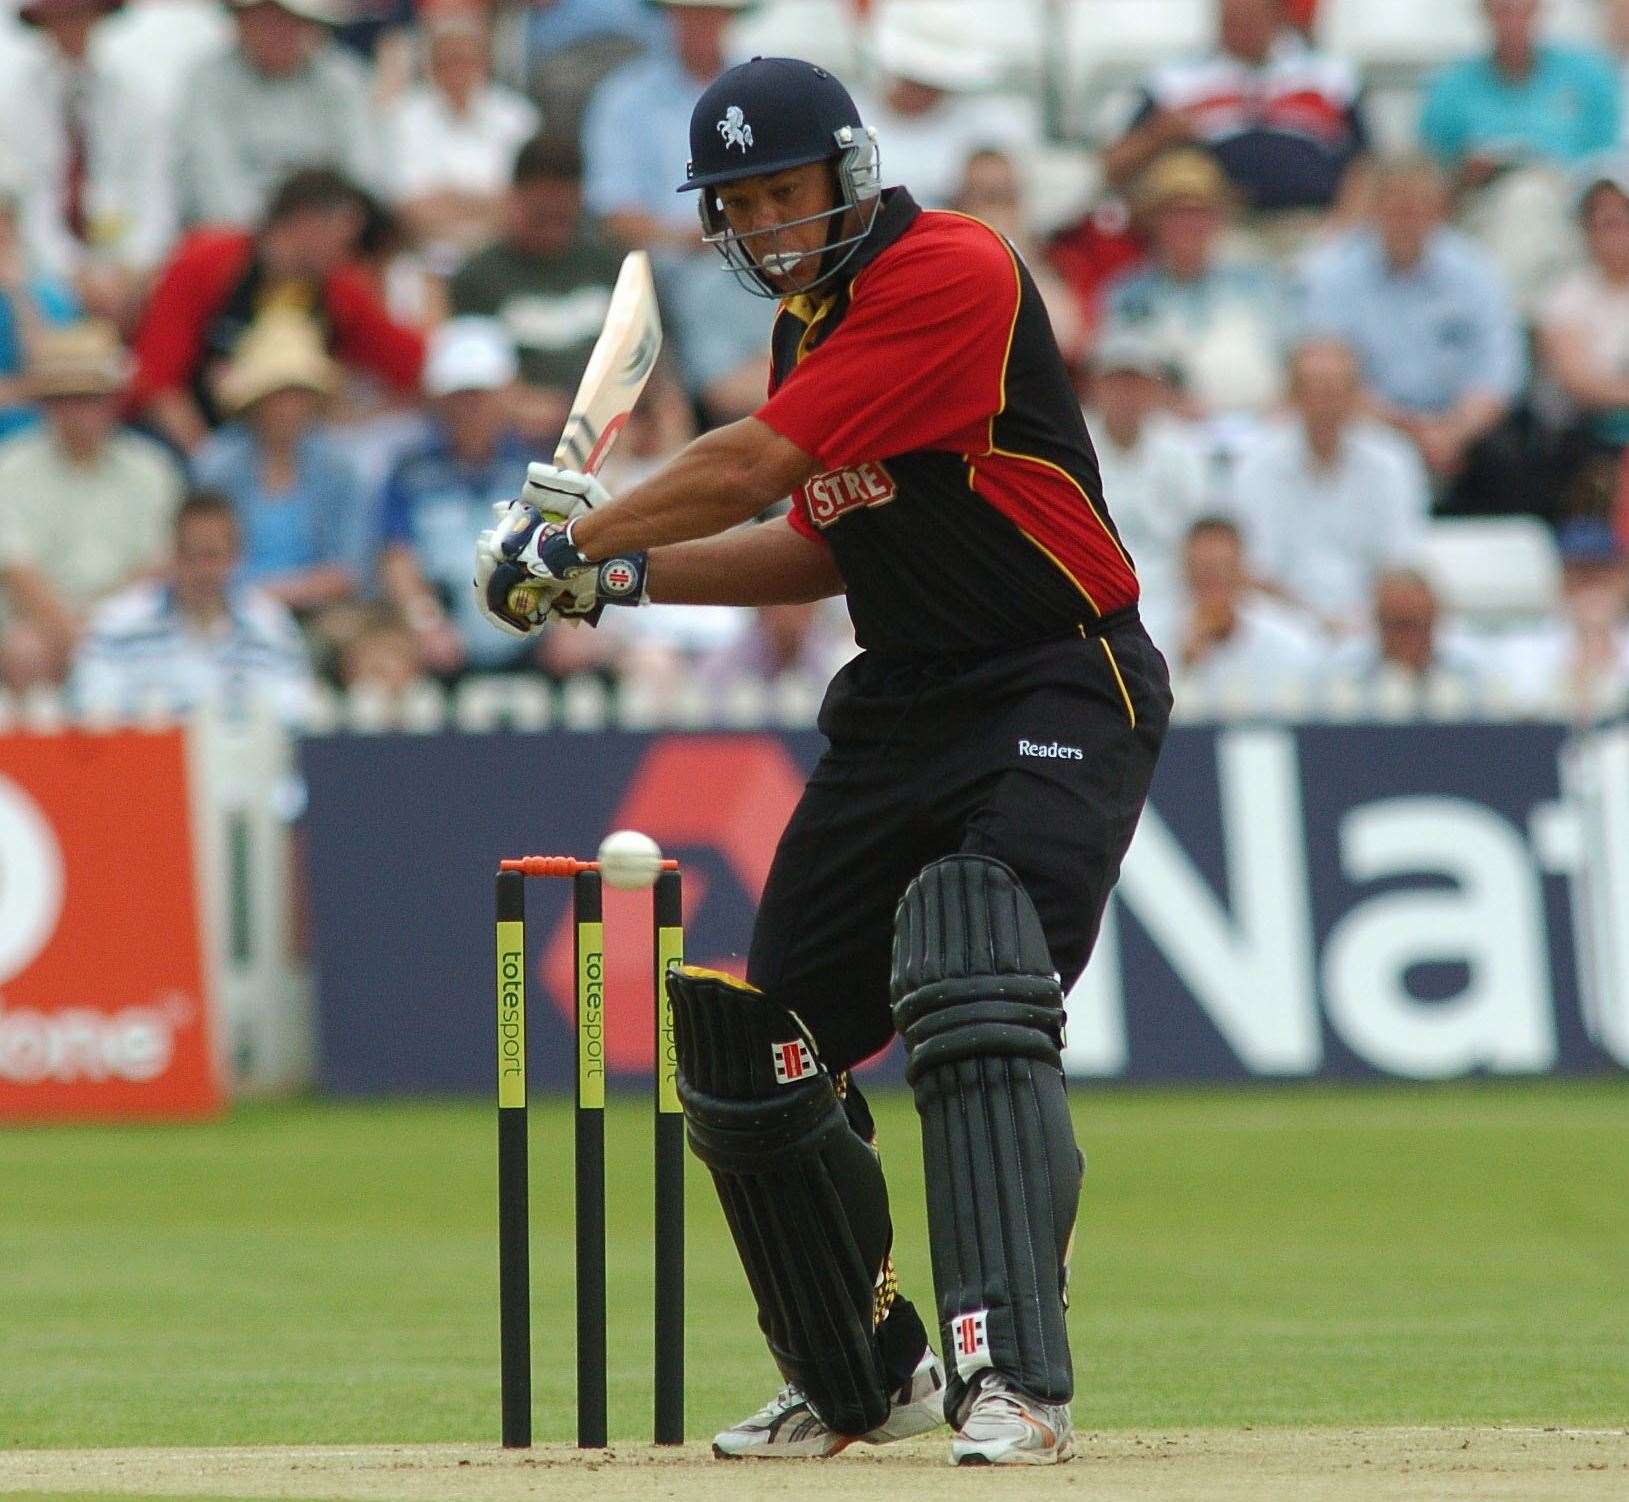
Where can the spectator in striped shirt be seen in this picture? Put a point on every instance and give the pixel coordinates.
(195, 637)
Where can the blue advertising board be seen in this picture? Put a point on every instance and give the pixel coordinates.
(1419, 901)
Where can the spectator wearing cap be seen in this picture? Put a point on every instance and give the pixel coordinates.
(547, 279)
(99, 210)
(284, 97)
(198, 635)
(1583, 339)
(934, 107)
(85, 507)
(297, 495)
(1230, 637)
(1152, 465)
(1329, 498)
(1284, 122)
(29, 302)
(219, 280)
(1437, 337)
(1218, 320)
(1579, 661)
(441, 493)
(453, 138)
(1406, 645)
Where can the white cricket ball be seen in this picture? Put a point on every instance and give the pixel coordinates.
(630, 860)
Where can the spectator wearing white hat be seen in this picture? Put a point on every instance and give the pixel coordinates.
(297, 492)
(1153, 466)
(934, 107)
(99, 210)
(284, 97)
(441, 492)
(452, 139)
(196, 636)
(85, 507)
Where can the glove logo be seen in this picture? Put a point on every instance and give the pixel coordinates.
(619, 577)
(793, 1061)
(735, 130)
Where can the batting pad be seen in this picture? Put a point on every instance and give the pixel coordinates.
(981, 1012)
(803, 1195)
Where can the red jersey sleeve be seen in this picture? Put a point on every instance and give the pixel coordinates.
(169, 340)
(920, 357)
(367, 337)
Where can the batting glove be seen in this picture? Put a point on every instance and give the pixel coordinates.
(561, 494)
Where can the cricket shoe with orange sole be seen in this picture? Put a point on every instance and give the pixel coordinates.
(786, 1427)
(1003, 1426)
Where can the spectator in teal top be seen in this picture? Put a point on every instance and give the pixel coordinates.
(1525, 101)
(28, 302)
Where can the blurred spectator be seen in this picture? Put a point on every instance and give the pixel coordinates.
(1092, 251)
(217, 281)
(563, 48)
(1230, 637)
(29, 302)
(636, 132)
(1217, 321)
(1153, 469)
(99, 209)
(812, 640)
(1407, 645)
(1509, 126)
(1329, 498)
(1437, 338)
(297, 495)
(635, 147)
(453, 139)
(85, 508)
(1580, 661)
(380, 657)
(547, 279)
(933, 110)
(441, 494)
(196, 637)
(1583, 342)
(154, 46)
(991, 189)
(1525, 100)
(285, 97)
(1615, 23)
(1283, 121)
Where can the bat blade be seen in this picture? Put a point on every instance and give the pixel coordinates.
(620, 364)
(623, 357)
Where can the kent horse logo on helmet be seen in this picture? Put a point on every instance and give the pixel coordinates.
(735, 130)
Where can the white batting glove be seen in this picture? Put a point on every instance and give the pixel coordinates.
(561, 494)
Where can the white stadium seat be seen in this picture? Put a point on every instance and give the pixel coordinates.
(1493, 571)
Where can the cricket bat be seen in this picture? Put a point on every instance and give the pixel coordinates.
(618, 367)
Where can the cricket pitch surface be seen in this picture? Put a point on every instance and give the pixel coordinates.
(1375, 1465)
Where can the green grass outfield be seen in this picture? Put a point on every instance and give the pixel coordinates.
(327, 1273)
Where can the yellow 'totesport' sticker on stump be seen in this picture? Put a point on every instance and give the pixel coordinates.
(669, 953)
(591, 1016)
(511, 1014)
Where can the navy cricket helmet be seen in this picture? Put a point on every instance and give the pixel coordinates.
(765, 116)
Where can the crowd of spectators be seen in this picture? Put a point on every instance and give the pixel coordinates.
(291, 290)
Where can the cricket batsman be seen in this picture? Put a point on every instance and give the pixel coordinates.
(990, 750)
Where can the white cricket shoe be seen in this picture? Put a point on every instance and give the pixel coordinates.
(787, 1427)
(1007, 1427)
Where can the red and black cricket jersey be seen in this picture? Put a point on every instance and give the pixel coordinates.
(959, 493)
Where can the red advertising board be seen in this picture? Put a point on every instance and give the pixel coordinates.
(104, 1006)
